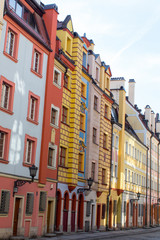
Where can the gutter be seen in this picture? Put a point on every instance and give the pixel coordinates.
(146, 189)
(150, 222)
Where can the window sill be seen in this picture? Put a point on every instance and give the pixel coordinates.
(6, 110)
(96, 143)
(67, 88)
(62, 166)
(57, 85)
(32, 121)
(4, 161)
(96, 110)
(82, 130)
(37, 74)
(27, 164)
(81, 171)
(83, 97)
(65, 123)
(10, 57)
(51, 167)
(106, 148)
(107, 118)
(105, 184)
(53, 125)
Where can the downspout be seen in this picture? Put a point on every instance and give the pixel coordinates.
(108, 196)
(55, 215)
(158, 189)
(150, 177)
(146, 190)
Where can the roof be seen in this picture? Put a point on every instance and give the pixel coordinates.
(63, 24)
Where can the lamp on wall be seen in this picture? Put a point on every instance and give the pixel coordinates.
(136, 199)
(90, 182)
(19, 183)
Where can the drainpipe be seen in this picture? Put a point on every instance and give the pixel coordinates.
(107, 219)
(158, 189)
(150, 178)
(146, 190)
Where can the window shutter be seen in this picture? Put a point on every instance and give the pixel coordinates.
(29, 203)
(42, 202)
(88, 209)
(5, 200)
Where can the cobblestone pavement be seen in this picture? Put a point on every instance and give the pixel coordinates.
(148, 233)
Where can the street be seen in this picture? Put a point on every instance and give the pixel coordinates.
(149, 233)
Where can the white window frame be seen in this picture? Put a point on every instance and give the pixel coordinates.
(59, 77)
(54, 159)
(27, 145)
(57, 116)
(34, 61)
(3, 95)
(1, 157)
(8, 44)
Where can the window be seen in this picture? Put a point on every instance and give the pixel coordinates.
(37, 61)
(133, 152)
(29, 203)
(6, 95)
(95, 135)
(88, 208)
(139, 179)
(106, 111)
(57, 77)
(62, 161)
(103, 211)
(83, 90)
(128, 175)
(125, 174)
(96, 103)
(117, 142)
(30, 150)
(42, 201)
(81, 163)
(115, 170)
(93, 170)
(52, 153)
(97, 73)
(64, 115)
(131, 208)
(84, 59)
(115, 207)
(69, 50)
(4, 144)
(112, 169)
(135, 155)
(82, 122)
(11, 42)
(130, 149)
(127, 147)
(105, 141)
(125, 204)
(53, 116)
(103, 176)
(33, 108)
(66, 81)
(132, 177)
(5, 201)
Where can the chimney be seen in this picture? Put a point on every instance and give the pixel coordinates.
(131, 91)
(152, 121)
(115, 85)
(147, 115)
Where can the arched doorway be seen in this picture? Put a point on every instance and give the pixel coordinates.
(127, 215)
(119, 223)
(98, 215)
(73, 213)
(80, 212)
(58, 210)
(110, 214)
(65, 211)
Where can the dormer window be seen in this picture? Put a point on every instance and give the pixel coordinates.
(23, 13)
(68, 45)
(84, 60)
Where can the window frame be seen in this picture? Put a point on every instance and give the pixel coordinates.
(33, 153)
(83, 90)
(61, 164)
(95, 104)
(40, 52)
(106, 111)
(103, 176)
(66, 116)
(37, 105)
(81, 163)
(7, 133)
(54, 157)
(82, 122)
(16, 42)
(11, 85)
(94, 135)
(59, 80)
(57, 116)
(105, 141)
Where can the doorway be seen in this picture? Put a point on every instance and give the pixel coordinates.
(17, 212)
(80, 212)
(50, 217)
(65, 211)
(92, 217)
(98, 215)
(73, 213)
(58, 210)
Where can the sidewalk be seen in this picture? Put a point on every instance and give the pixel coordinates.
(103, 235)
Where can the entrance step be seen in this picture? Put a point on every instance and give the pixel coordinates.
(58, 233)
(50, 235)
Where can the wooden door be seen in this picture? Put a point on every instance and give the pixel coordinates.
(80, 212)
(127, 215)
(92, 217)
(16, 214)
(110, 214)
(98, 215)
(73, 213)
(49, 216)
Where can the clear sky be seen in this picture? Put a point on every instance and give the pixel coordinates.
(126, 34)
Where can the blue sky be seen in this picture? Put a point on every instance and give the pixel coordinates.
(126, 34)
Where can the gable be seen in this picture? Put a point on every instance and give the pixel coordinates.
(70, 26)
(98, 60)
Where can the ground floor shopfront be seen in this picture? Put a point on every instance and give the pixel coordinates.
(29, 212)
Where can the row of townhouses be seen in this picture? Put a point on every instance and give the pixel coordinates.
(76, 154)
